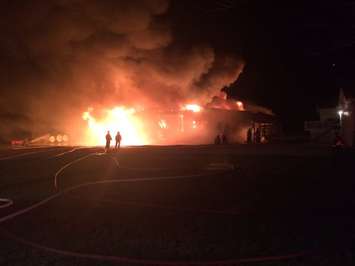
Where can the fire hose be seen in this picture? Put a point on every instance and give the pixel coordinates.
(67, 152)
(121, 259)
(21, 155)
(4, 202)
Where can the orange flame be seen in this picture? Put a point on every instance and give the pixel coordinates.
(192, 107)
(162, 124)
(240, 105)
(120, 119)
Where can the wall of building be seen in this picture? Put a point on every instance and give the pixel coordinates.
(348, 125)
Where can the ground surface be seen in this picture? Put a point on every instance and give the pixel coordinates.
(151, 205)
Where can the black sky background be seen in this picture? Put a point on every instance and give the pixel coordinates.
(298, 53)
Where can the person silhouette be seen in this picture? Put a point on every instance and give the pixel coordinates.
(118, 139)
(217, 140)
(224, 139)
(250, 135)
(108, 141)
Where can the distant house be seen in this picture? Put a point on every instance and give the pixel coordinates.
(324, 129)
(339, 118)
(346, 113)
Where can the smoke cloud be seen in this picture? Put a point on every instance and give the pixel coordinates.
(60, 56)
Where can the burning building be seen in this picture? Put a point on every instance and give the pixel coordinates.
(187, 124)
(125, 60)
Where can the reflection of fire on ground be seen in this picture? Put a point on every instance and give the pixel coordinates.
(189, 124)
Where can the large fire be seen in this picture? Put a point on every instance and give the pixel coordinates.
(120, 119)
(187, 124)
(192, 107)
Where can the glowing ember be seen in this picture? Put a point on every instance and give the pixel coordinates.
(120, 119)
(240, 105)
(192, 107)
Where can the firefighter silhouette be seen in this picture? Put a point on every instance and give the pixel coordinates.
(108, 141)
(224, 139)
(217, 140)
(118, 139)
(250, 135)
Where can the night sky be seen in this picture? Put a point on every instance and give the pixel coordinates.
(298, 53)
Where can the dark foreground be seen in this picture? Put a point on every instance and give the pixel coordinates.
(225, 205)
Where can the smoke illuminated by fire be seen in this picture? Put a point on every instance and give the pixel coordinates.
(120, 119)
(103, 54)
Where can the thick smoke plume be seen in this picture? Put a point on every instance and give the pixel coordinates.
(60, 56)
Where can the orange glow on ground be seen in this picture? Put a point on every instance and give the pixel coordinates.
(192, 107)
(116, 119)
